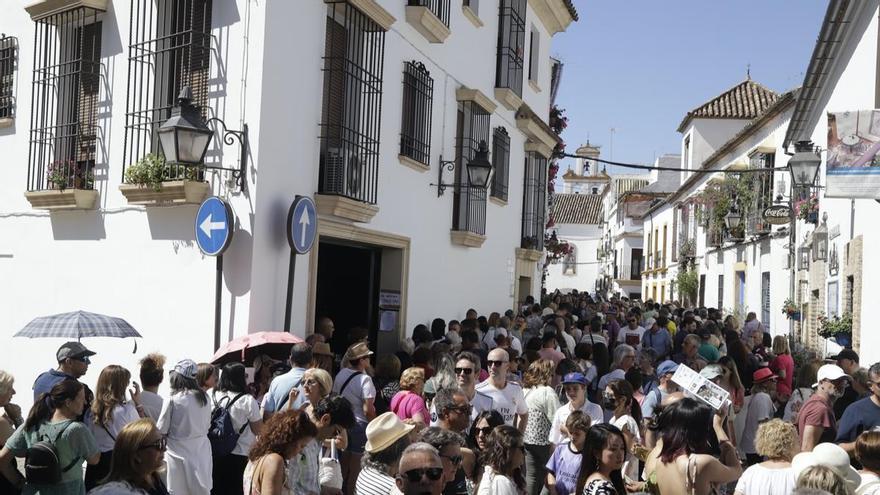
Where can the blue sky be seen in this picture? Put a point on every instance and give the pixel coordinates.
(640, 65)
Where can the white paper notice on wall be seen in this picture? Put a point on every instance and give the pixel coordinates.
(387, 321)
(389, 299)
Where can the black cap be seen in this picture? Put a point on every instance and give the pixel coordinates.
(847, 354)
(72, 350)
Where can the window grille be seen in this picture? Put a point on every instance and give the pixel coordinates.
(64, 110)
(469, 203)
(440, 8)
(169, 47)
(8, 52)
(418, 95)
(534, 54)
(511, 45)
(763, 186)
(351, 108)
(534, 201)
(500, 163)
(720, 291)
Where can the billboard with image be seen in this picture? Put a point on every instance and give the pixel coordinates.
(852, 162)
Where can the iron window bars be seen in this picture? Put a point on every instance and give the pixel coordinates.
(8, 52)
(352, 104)
(418, 97)
(440, 8)
(469, 203)
(169, 48)
(500, 163)
(511, 45)
(64, 100)
(534, 201)
(755, 223)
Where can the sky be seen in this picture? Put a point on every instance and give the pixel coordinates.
(639, 66)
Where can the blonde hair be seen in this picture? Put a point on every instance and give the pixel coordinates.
(130, 441)
(776, 439)
(780, 345)
(109, 393)
(411, 377)
(322, 377)
(822, 478)
(6, 381)
(540, 372)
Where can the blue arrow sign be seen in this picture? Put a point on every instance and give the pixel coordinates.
(302, 224)
(214, 223)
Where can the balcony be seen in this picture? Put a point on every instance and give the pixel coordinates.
(628, 273)
(755, 223)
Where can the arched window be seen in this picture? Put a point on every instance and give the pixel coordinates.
(569, 263)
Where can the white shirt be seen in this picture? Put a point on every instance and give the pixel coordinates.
(508, 401)
(152, 404)
(631, 464)
(105, 438)
(357, 391)
(632, 337)
(244, 411)
(594, 411)
(870, 484)
(496, 484)
(185, 421)
(766, 481)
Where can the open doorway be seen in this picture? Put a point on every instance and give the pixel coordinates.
(347, 289)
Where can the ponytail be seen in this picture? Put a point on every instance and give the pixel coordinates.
(48, 402)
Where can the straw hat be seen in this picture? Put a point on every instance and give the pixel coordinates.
(383, 431)
(357, 351)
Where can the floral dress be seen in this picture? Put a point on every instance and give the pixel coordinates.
(600, 487)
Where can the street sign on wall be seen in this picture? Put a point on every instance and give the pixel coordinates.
(777, 214)
(214, 223)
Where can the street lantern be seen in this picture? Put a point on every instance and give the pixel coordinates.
(804, 255)
(804, 165)
(184, 138)
(820, 240)
(480, 168)
(733, 219)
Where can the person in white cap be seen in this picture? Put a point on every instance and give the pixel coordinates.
(185, 420)
(816, 422)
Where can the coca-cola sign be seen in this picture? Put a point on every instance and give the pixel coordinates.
(777, 214)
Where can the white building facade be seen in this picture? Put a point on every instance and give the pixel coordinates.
(353, 102)
(577, 218)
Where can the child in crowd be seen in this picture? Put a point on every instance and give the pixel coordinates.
(565, 463)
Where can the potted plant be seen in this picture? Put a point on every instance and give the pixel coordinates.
(687, 282)
(790, 310)
(70, 185)
(688, 249)
(808, 209)
(152, 181)
(838, 328)
(68, 174)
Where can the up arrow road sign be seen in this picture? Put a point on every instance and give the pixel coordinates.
(302, 224)
(214, 223)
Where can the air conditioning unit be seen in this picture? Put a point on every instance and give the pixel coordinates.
(343, 172)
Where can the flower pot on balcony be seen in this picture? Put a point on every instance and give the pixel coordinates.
(843, 339)
(796, 316)
(175, 192)
(66, 199)
(813, 217)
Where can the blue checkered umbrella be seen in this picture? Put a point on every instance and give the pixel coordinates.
(77, 325)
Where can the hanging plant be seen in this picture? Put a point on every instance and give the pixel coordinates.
(790, 310)
(835, 326)
(716, 200)
(555, 249)
(807, 206)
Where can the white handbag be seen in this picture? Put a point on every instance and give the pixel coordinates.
(331, 471)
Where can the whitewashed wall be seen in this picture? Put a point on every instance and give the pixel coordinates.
(586, 239)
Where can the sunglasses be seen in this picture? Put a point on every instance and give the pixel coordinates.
(463, 409)
(486, 430)
(161, 445)
(496, 363)
(466, 371)
(416, 475)
(454, 459)
(84, 359)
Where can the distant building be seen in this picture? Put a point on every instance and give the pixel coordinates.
(577, 218)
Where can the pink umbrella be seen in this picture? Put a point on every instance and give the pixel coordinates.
(247, 347)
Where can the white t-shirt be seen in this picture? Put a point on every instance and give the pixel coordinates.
(870, 484)
(630, 336)
(766, 481)
(631, 464)
(508, 401)
(759, 408)
(357, 391)
(244, 411)
(793, 406)
(122, 415)
(152, 404)
(496, 484)
(562, 414)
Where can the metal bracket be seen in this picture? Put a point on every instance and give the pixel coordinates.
(448, 165)
(229, 137)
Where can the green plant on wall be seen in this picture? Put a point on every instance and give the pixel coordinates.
(687, 283)
(152, 170)
(716, 200)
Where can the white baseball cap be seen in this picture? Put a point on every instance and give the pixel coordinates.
(829, 372)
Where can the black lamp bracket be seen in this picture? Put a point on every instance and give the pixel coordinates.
(229, 137)
(447, 165)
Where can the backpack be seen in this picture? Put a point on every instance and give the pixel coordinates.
(222, 435)
(42, 462)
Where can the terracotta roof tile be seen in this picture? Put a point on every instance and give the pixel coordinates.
(577, 208)
(746, 100)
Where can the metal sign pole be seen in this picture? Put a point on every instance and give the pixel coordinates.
(214, 224)
(218, 301)
(290, 277)
(302, 229)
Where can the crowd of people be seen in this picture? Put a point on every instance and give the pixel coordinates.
(572, 396)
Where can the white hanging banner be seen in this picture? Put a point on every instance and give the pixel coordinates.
(852, 165)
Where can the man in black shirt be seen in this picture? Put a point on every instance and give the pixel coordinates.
(848, 360)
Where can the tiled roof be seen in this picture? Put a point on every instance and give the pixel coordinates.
(577, 208)
(746, 100)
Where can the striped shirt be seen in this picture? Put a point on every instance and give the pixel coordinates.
(370, 481)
